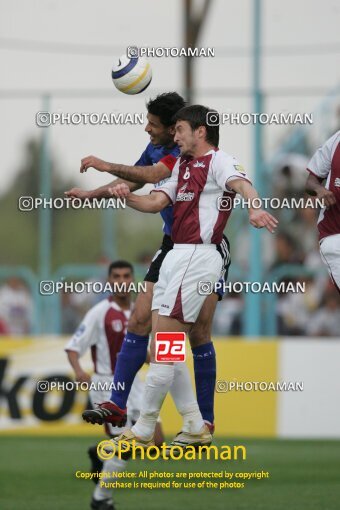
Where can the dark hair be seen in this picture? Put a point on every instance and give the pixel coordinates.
(120, 264)
(198, 115)
(165, 106)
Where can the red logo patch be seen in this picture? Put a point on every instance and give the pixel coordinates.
(170, 347)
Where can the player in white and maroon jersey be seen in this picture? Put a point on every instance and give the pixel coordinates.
(102, 330)
(201, 177)
(154, 166)
(324, 182)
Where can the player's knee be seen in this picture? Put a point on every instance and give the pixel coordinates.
(199, 335)
(158, 379)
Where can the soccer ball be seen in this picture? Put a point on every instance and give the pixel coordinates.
(131, 75)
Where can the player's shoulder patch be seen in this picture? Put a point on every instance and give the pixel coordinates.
(240, 169)
(80, 330)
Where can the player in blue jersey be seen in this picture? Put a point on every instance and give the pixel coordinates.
(154, 166)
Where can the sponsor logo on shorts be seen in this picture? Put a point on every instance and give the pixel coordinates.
(337, 182)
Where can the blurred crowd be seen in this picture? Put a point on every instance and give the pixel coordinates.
(315, 312)
(16, 308)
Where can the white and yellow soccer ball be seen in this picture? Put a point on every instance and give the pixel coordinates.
(131, 75)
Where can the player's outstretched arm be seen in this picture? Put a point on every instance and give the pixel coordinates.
(152, 203)
(139, 174)
(102, 192)
(314, 187)
(257, 217)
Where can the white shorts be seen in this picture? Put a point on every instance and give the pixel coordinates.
(330, 254)
(176, 294)
(133, 403)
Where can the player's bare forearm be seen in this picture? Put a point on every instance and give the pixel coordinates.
(152, 203)
(133, 173)
(245, 189)
(313, 185)
(258, 218)
(138, 174)
(102, 192)
(141, 174)
(315, 188)
(80, 374)
(73, 358)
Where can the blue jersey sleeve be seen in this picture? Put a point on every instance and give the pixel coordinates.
(151, 156)
(144, 160)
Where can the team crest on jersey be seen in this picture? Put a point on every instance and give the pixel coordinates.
(117, 326)
(337, 182)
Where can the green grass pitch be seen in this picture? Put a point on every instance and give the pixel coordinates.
(39, 473)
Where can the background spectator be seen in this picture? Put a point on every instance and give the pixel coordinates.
(326, 320)
(15, 307)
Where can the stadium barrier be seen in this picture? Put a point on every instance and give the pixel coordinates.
(271, 388)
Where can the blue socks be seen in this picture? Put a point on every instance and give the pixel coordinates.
(130, 359)
(205, 378)
(132, 356)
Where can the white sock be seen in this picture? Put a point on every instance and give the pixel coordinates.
(185, 400)
(157, 384)
(109, 466)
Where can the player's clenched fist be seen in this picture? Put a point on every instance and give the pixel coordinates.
(92, 161)
(259, 219)
(120, 190)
